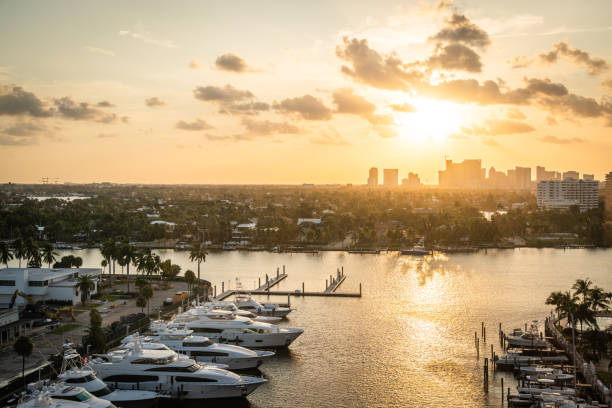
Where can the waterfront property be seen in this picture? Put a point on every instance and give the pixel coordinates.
(43, 284)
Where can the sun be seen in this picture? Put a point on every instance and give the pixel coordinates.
(432, 120)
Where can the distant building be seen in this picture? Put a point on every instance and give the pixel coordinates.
(390, 177)
(588, 177)
(521, 179)
(497, 179)
(413, 180)
(563, 194)
(544, 175)
(571, 175)
(467, 174)
(373, 177)
(607, 193)
(43, 284)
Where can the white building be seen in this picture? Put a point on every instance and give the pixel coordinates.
(44, 284)
(555, 194)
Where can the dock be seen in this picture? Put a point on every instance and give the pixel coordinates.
(331, 285)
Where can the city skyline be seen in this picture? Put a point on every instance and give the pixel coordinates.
(161, 94)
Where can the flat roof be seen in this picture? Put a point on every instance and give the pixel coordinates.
(41, 274)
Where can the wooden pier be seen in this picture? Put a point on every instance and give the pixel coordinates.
(334, 283)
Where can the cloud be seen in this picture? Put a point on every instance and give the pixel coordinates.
(577, 105)
(247, 108)
(69, 109)
(224, 94)
(126, 119)
(146, 38)
(193, 64)
(593, 65)
(495, 127)
(308, 107)
(608, 84)
(515, 113)
(455, 57)
(232, 63)
(24, 129)
(266, 127)
(490, 143)
(459, 29)
(196, 125)
(428, 8)
(17, 141)
(330, 137)
(557, 140)
(107, 135)
(371, 68)
(100, 51)
(216, 138)
(386, 132)
(15, 101)
(520, 62)
(348, 102)
(105, 104)
(237, 137)
(154, 101)
(404, 107)
(551, 121)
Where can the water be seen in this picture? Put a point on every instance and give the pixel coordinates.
(63, 198)
(409, 341)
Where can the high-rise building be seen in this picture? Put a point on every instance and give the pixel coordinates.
(522, 178)
(497, 179)
(588, 176)
(607, 193)
(413, 180)
(543, 175)
(467, 174)
(390, 177)
(562, 194)
(373, 177)
(571, 175)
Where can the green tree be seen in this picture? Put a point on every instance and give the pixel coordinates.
(129, 255)
(109, 252)
(104, 264)
(95, 334)
(147, 293)
(48, 255)
(198, 254)
(23, 347)
(85, 283)
(77, 262)
(141, 302)
(190, 279)
(33, 254)
(19, 250)
(141, 282)
(5, 253)
(582, 287)
(556, 299)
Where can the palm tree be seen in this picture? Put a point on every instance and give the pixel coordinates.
(33, 254)
(190, 279)
(23, 347)
(198, 254)
(5, 253)
(584, 314)
(598, 299)
(19, 250)
(48, 256)
(85, 284)
(129, 255)
(582, 287)
(141, 302)
(555, 299)
(109, 252)
(104, 263)
(147, 293)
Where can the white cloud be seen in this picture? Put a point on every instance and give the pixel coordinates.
(146, 38)
(97, 50)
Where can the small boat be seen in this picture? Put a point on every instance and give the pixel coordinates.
(530, 339)
(246, 302)
(416, 251)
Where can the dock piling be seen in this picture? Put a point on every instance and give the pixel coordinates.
(215, 290)
(222, 286)
(302, 287)
(359, 289)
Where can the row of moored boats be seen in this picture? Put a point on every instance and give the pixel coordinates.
(193, 356)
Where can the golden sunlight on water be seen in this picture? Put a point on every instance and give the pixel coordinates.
(409, 341)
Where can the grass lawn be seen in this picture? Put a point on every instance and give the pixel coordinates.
(64, 328)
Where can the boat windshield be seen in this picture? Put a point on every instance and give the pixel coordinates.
(156, 361)
(222, 317)
(83, 396)
(198, 343)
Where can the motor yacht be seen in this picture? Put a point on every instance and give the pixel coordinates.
(202, 349)
(61, 391)
(529, 339)
(224, 327)
(43, 399)
(163, 371)
(246, 302)
(231, 307)
(416, 251)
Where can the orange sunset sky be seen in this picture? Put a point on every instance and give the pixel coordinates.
(294, 91)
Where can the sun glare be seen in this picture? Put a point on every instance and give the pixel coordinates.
(433, 120)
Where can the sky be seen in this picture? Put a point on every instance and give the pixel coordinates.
(296, 92)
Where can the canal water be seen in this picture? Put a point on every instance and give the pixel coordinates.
(409, 341)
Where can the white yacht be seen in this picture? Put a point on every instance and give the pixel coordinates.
(224, 327)
(202, 349)
(60, 391)
(163, 371)
(231, 307)
(246, 302)
(529, 339)
(43, 399)
(86, 378)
